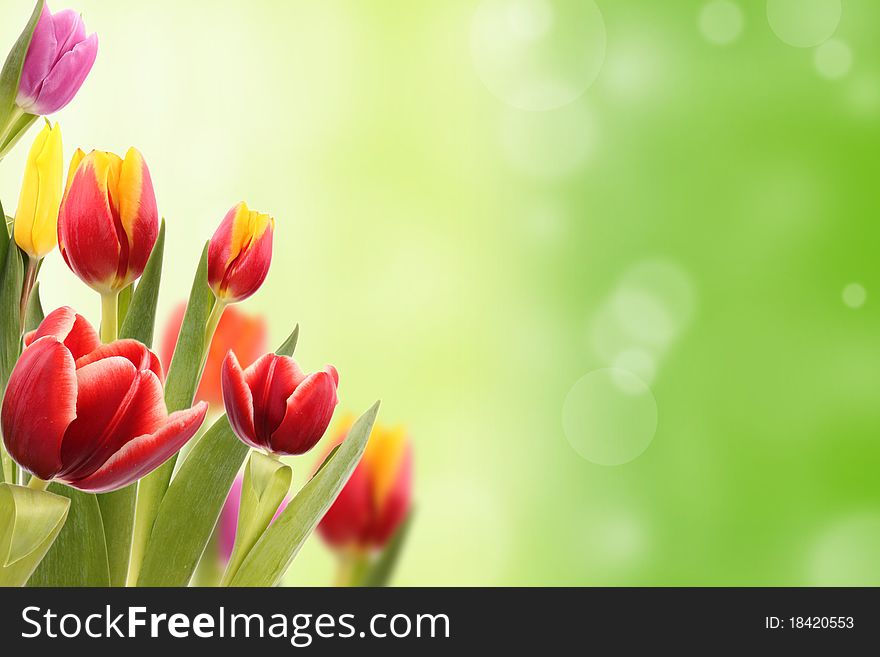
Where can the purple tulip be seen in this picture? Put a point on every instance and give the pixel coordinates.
(58, 60)
(229, 520)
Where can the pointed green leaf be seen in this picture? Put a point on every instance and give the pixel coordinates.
(30, 520)
(270, 558)
(140, 320)
(190, 508)
(379, 573)
(11, 72)
(180, 389)
(79, 555)
(10, 298)
(266, 482)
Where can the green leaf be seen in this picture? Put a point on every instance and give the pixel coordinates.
(180, 389)
(10, 298)
(270, 558)
(123, 301)
(266, 482)
(137, 323)
(30, 520)
(79, 555)
(379, 573)
(35, 313)
(117, 518)
(140, 319)
(11, 73)
(190, 508)
(188, 513)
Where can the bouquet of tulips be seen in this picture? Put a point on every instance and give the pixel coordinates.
(110, 473)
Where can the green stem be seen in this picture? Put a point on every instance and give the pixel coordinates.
(109, 316)
(38, 484)
(14, 116)
(210, 329)
(27, 288)
(352, 566)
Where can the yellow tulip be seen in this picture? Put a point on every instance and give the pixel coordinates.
(36, 219)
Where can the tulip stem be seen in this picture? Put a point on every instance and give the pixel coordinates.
(27, 288)
(352, 568)
(210, 329)
(38, 484)
(109, 316)
(14, 116)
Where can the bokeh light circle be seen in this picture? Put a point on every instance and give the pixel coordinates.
(854, 295)
(721, 21)
(803, 23)
(538, 54)
(609, 416)
(846, 554)
(654, 301)
(833, 59)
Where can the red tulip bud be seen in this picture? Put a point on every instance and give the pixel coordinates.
(273, 406)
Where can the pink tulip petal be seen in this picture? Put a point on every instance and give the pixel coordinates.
(41, 55)
(39, 404)
(67, 76)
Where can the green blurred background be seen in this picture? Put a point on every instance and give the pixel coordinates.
(612, 262)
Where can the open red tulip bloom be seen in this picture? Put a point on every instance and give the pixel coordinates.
(273, 406)
(89, 415)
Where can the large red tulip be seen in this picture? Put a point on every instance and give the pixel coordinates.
(273, 406)
(238, 331)
(240, 253)
(376, 498)
(89, 415)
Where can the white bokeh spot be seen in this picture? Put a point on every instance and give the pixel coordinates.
(803, 23)
(721, 22)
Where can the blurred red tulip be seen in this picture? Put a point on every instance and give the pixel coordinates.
(89, 415)
(376, 499)
(244, 334)
(273, 406)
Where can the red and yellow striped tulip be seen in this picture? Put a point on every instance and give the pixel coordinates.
(108, 222)
(376, 499)
(240, 254)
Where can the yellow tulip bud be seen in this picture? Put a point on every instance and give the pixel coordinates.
(36, 219)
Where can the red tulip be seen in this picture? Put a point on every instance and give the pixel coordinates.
(245, 334)
(89, 415)
(273, 406)
(108, 221)
(376, 499)
(240, 253)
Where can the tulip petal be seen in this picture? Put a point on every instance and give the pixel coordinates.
(40, 57)
(87, 230)
(272, 379)
(391, 508)
(248, 271)
(70, 328)
(102, 388)
(309, 410)
(347, 521)
(39, 404)
(145, 453)
(132, 350)
(137, 211)
(139, 413)
(69, 30)
(67, 76)
(239, 401)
